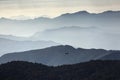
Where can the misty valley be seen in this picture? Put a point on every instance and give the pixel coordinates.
(72, 46)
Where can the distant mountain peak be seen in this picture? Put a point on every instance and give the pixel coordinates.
(42, 18)
(76, 13)
(62, 47)
(3, 18)
(82, 12)
(110, 11)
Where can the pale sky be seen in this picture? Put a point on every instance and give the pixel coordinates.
(53, 8)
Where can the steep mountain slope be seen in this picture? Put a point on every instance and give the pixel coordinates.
(93, 70)
(56, 55)
(8, 46)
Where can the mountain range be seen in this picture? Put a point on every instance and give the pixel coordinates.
(107, 19)
(79, 29)
(60, 55)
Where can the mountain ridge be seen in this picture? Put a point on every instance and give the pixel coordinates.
(78, 12)
(25, 27)
(57, 55)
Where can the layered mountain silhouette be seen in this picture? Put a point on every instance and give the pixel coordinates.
(59, 55)
(82, 18)
(93, 70)
(9, 46)
(98, 30)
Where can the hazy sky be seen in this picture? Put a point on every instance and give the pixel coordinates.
(25, 9)
(52, 8)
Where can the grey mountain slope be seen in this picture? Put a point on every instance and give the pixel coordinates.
(85, 37)
(9, 46)
(56, 55)
(112, 56)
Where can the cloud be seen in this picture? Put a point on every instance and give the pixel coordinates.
(61, 3)
(55, 7)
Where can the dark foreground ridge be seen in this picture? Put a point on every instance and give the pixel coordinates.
(93, 70)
